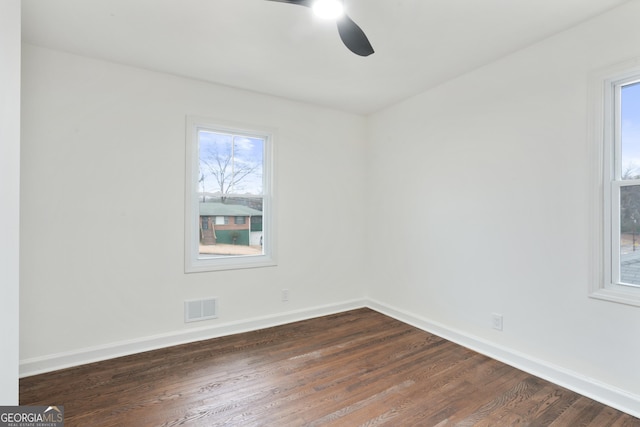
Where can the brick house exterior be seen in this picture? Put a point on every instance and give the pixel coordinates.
(230, 224)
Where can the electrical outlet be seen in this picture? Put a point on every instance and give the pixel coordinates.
(285, 295)
(496, 321)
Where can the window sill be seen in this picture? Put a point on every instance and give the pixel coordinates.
(202, 265)
(618, 294)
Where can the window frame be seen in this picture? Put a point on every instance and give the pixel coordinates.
(606, 180)
(193, 262)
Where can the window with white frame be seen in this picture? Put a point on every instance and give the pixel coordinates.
(229, 174)
(618, 139)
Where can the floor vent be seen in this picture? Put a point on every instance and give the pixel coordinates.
(202, 309)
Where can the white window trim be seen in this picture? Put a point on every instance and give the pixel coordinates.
(605, 261)
(193, 263)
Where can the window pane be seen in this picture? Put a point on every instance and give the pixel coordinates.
(630, 131)
(629, 238)
(225, 237)
(230, 189)
(230, 164)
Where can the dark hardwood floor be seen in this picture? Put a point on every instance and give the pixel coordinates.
(349, 369)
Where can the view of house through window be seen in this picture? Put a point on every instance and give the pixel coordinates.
(628, 162)
(228, 222)
(230, 182)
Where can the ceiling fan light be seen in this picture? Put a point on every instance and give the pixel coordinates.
(328, 9)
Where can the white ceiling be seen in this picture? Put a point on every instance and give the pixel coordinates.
(283, 50)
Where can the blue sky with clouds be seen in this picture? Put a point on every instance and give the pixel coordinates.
(244, 151)
(630, 121)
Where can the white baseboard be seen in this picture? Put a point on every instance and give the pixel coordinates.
(589, 387)
(54, 362)
(596, 390)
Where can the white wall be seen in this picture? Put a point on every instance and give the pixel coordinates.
(9, 197)
(103, 150)
(494, 167)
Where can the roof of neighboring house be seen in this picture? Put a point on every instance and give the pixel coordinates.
(221, 209)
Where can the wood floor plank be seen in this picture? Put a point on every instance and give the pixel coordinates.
(459, 400)
(357, 368)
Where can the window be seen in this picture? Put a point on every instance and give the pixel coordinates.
(256, 223)
(617, 138)
(228, 178)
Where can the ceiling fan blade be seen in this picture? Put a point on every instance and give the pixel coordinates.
(353, 37)
(307, 3)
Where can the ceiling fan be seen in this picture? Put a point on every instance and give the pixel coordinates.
(351, 34)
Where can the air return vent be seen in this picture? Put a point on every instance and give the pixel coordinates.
(203, 309)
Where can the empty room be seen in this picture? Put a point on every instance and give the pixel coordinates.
(248, 213)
